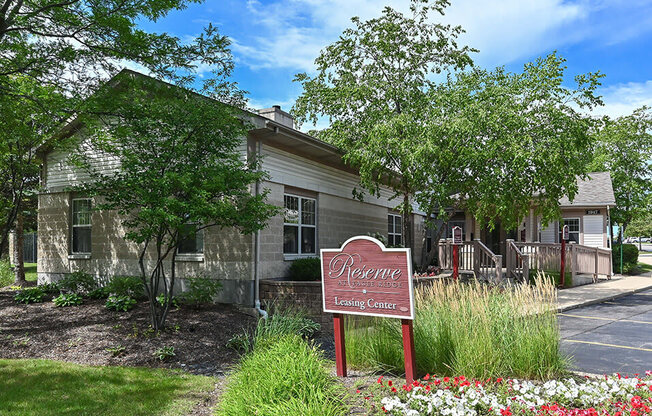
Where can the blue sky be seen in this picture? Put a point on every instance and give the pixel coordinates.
(274, 40)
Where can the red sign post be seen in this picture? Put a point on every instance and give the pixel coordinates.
(562, 267)
(457, 241)
(365, 278)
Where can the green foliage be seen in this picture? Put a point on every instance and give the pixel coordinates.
(30, 295)
(99, 293)
(120, 303)
(240, 342)
(44, 387)
(50, 288)
(164, 353)
(551, 276)
(131, 286)
(68, 299)
(624, 148)
(282, 322)
(202, 290)
(306, 269)
(116, 351)
(77, 282)
(174, 302)
(641, 225)
(6, 274)
(469, 329)
(179, 165)
(630, 257)
(287, 377)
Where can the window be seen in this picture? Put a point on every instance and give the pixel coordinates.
(573, 229)
(192, 241)
(299, 225)
(394, 230)
(81, 226)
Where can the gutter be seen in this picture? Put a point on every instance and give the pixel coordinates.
(262, 312)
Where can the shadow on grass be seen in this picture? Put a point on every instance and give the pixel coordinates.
(42, 387)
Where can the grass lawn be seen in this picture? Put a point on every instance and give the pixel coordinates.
(642, 268)
(30, 272)
(43, 387)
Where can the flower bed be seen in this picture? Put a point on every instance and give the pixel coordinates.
(613, 396)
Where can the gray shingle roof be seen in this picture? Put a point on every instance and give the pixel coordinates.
(595, 190)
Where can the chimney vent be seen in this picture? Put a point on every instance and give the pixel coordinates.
(279, 116)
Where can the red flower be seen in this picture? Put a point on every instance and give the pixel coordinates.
(506, 412)
(389, 383)
(446, 379)
(427, 377)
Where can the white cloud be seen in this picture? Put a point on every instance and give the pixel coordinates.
(290, 34)
(623, 99)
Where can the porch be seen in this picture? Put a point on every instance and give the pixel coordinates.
(524, 259)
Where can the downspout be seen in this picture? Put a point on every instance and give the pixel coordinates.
(262, 313)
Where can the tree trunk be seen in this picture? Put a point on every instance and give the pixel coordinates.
(19, 264)
(407, 222)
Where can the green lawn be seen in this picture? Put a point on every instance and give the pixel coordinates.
(643, 268)
(30, 272)
(43, 387)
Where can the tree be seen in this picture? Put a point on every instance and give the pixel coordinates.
(65, 48)
(641, 226)
(624, 148)
(180, 171)
(26, 124)
(372, 84)
(497, 144)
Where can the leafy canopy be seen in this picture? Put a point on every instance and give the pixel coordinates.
(624, 148)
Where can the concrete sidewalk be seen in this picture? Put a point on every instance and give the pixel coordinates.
(603, 291)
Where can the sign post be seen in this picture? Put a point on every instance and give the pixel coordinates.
(365, 278)
(562, 269)
(457, 241)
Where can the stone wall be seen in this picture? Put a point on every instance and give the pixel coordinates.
(304, 295)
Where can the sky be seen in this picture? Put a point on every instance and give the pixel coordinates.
(276, 39)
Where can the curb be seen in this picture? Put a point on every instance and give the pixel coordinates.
(603, 299)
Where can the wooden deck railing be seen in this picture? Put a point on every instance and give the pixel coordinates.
(580, 259)
(472, 256)
(517, 263)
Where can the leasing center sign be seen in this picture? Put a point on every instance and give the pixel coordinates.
(365, 278)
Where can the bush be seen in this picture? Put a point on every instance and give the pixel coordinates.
(288, 377)
(306, 269)
(164, 353)
(202, 290)
(630, 257)
(6, 274)
(78, 282)
(174, 302)
(67, 299)
(120, 303)
(469, 329)
(131, 286)
(50, 288)
(99, 293)
(30, 295)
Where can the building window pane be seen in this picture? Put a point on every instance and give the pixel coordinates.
(300, 225)
(308, 240)
(573, 229)
(290, 239)
(394, 230)
(192, 241)
(81, 226)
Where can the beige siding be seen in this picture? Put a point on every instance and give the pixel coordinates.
(227, 253)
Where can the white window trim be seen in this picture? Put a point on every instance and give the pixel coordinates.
(400, 231)
(79, 254)
(578, 232)
(299, 225)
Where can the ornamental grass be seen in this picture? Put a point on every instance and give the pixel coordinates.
(468, 328)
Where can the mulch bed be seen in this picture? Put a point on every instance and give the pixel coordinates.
(82, 334)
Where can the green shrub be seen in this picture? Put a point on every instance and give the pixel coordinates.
(306, 269)
(30, 295)
(202, 290)
(99, 293)
(288, 377)
(120, 303)
(280, 324)
(50, 288)
(68, 299)
(630, 257)
(77, 282)
(6, 274)
(551, 276)
(164, 353)
(469, 329)
(131, 286)
(174, 302)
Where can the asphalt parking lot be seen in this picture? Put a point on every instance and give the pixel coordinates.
(610, 337)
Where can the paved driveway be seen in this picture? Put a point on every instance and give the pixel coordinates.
(610, 337)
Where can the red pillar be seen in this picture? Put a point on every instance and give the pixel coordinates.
(562, 276)
(456, 262)
(340, 352)
(408, 349)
